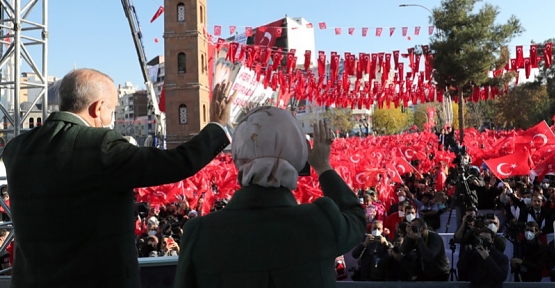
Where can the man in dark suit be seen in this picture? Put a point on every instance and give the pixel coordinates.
(71, 184)
(263, 238)
(433, 264)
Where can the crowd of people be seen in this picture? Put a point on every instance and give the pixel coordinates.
(392, 240)
(402, 241)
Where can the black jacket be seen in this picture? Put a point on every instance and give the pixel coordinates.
(489, 272)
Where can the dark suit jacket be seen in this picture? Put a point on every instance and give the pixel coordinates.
(489, 272)
(262, 238)
(72, 200)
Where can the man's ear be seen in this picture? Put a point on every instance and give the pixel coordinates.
(94, 109)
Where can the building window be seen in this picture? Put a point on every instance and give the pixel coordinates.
(204, 113)
(202, 63)
(31, 122)
(183, 114)
(201, 15)
(180, 12)
(181, 63)
(39, 121)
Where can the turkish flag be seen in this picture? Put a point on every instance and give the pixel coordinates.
(217, 30)
(351, 31)
(402, 165)
(513, 65)
(248, 31)
(322, 25)
(548, 53)
(337, 31)
(516, 164)
(519, 57)
(527, 67)
(405, 31)
(157, 14)
(309, 25)
(533, 55)
(544, 167)
(364, 31)
(379, 31)
(393, 173)
(267, 35)
(536, 136)
(278, 31)
(430, 30)
(396, 58)
(321, 64)
(232, 29)
(417, 30)
(307, 54)
(391, 31)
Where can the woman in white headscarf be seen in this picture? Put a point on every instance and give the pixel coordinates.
(263, 238)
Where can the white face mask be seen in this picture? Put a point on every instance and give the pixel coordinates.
(112, 121)
(527, 201)
(151, 232)
(376, 233)
(545, 185)
(492, 227)
(401, 198)
(410, 217)
(529, 235)
(401, 214)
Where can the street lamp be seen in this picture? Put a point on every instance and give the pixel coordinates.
(417, 5)
(447, 104)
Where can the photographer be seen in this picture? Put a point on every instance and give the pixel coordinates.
(369, 252)
(433, 264)
(397, 266)
(467, 181)
(473, 224)
(532, 257)
(484, 264)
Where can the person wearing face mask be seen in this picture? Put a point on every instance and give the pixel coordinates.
(532, 256)
(401, 197)
(373, 247)
(395, 218)
(499, 241)
(484, 264)
(537, 213)
(518, 203)
(87, 175)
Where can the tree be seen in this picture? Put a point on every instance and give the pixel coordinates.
(468, 46)
(478, 114)
(421, 114)
(391, 120)
(340, 119)
(546, 76)
(524, 106)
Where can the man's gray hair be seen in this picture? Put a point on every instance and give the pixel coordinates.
(79, 88)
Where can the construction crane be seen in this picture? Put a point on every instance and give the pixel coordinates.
(153, 107)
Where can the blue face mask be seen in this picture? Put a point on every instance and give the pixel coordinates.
(441, 206)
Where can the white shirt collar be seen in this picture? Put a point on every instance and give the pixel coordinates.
(85, 122)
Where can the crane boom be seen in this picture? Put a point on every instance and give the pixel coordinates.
(133, 20)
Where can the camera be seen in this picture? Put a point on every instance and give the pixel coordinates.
(479, 221)
(513, 230)
(415, 228)
(478, 241)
